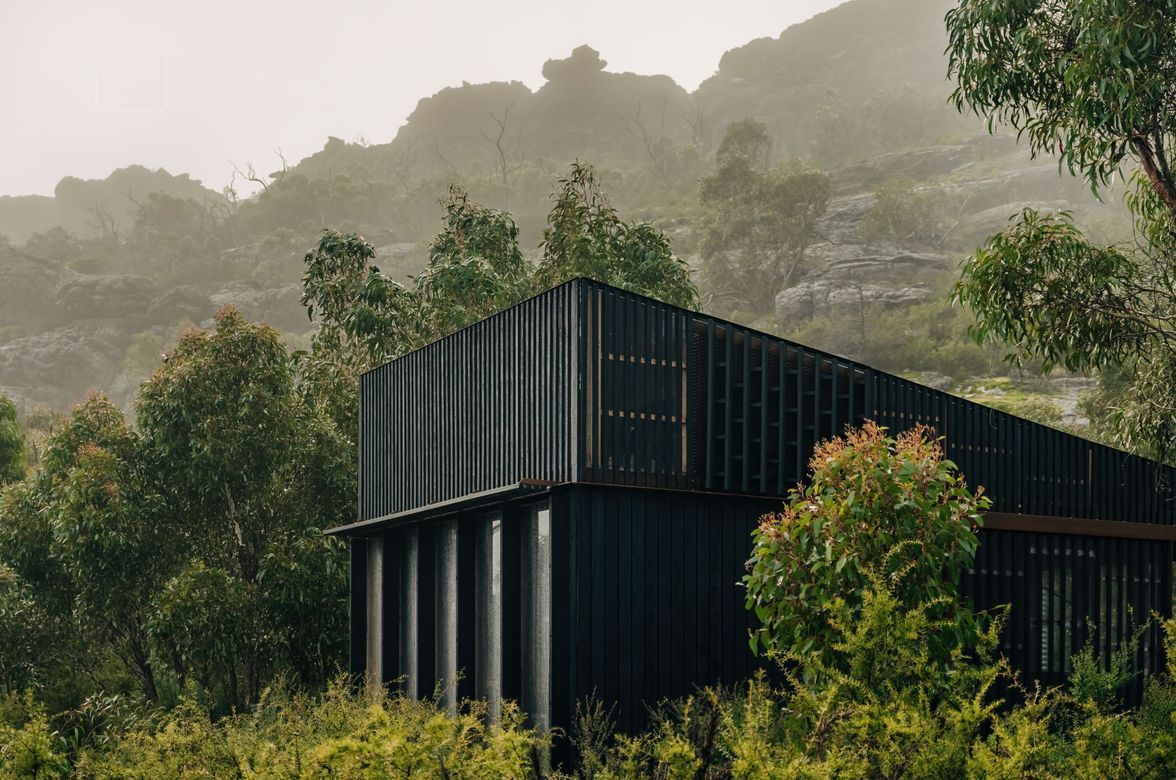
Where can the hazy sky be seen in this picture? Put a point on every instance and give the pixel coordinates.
(87, 86)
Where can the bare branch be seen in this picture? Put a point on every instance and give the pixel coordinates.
(508, 161)
(435, 148)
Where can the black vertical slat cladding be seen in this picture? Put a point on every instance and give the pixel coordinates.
(835, 398)
(709, 410)
(781, 420)
(638, 393)
(563, 620)
(426, 610)
(662, 516)
(728, 403)
(426, 418)
(801, 447)
(654, 597)
(636, 612)
(677, 576)
(764, 487)
(623, 615)
(745, 417)
(584, 613)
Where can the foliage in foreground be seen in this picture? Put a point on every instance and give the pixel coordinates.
(888, 711)
(889, 688)
(894, 714)
(288, 735)
(874, 506)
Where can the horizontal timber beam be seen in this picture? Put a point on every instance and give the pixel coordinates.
(1077, 526)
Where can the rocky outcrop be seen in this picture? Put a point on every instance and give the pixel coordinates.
(854, 276)
(279, 306)
(48, 366)
(186, 302)
(927, 163)
(809, 298)
(27, 285)
(113, 295)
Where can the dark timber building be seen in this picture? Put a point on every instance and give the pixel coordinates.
(556, 503)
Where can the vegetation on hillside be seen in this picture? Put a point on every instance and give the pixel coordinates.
(865, 190)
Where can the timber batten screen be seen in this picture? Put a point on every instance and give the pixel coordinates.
(562, 496)
(588, 383)
(471, 412)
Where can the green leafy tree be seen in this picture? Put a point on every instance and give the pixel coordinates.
(874, 507)
(901, 215)
(254, 474)
(191, 545)
(363, 316)
(366, 318)
(12, 443)
(113, 539)
(758, 223)
(747, 138)
(85, 542)
(475, 269)
(586, 237)
(1092, 83)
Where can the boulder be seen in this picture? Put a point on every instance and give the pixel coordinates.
(105, 296)
(811, 298)
(278, 306)
(57, 366)
(185, 302)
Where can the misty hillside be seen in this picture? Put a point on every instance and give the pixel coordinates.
(96, 281)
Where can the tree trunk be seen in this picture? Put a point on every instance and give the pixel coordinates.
(141, 658)
(1147, 159)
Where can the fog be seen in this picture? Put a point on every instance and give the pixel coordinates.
(89, 87)
(108, 249)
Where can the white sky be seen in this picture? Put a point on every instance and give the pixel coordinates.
(88, 86)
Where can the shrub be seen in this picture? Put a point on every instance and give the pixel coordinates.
(902, 215)
(339, 734)
(894, 714)
(27, 746)
(893, 508)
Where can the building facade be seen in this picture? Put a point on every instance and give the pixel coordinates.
(556, 503)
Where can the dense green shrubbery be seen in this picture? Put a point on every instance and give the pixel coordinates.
(895, 714)
(878, 693)
(288, 735)
(874, 507)
(890, 713)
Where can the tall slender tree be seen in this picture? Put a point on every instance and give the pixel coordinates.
(1095, 85)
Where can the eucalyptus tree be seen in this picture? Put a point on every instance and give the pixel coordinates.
(253, 474)
(759, 220)
(585, 236)
(88, 542)
(1095, 85)
(476, 268)
(190, 546)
